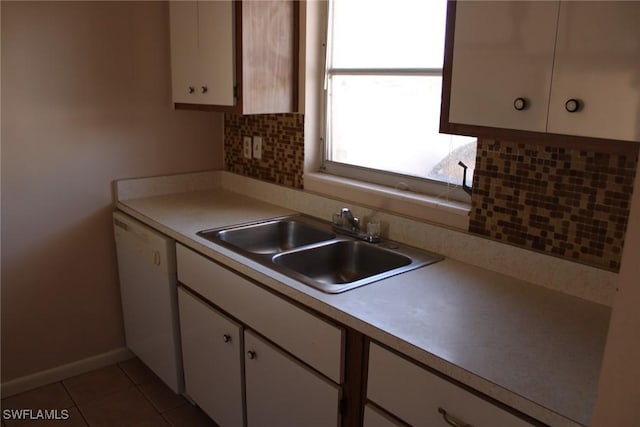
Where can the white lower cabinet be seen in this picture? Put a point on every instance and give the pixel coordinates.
(304, 335)
(291, 377)
(212, 358)
(421, 398)
(267, 362)
(282, 392)
(376, 418)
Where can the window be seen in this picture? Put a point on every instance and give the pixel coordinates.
(382, 101)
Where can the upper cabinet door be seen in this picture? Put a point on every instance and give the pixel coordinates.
(202, 52)
(269, 56)
(597, 64)
(183, 16)
(502, 63)
(216, 46)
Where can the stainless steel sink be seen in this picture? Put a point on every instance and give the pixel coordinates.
(270, 237)
(342, 265)
(306, 250)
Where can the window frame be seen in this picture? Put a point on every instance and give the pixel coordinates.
(398, 181)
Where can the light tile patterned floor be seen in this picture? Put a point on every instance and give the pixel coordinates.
(126, 394)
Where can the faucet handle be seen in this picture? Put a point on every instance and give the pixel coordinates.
(349, 220)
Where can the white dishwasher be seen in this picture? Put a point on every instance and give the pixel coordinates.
(148, 287)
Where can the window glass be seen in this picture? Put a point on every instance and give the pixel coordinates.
(383, 91)
(388, 33)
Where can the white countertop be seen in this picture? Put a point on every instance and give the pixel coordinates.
(534, 349)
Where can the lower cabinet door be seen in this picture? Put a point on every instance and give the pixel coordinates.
(211, 353)
(282, 392)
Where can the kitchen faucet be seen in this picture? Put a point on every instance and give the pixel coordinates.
(346, 223)
(352, 221)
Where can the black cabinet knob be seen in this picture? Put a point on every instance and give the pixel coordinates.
(252, 354)
(520, 104)
(573, 105)
(204, 89)
(191, 89)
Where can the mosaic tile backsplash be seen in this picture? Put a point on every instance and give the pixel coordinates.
(566, 202)
(282, 147)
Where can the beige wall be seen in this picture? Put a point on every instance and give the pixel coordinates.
(85, 101)
(619, 389)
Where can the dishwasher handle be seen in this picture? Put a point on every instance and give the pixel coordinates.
(152, 246)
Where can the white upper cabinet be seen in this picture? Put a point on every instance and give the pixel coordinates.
(503, 51)
(568, 68)
(597, 63)
(202, 52)
(235, 56)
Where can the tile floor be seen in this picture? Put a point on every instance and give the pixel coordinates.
(125, 394)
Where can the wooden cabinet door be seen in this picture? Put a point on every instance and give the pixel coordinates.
(597, 62)
(269, 58)
(212, 358)
(502, 51)
(282, 392)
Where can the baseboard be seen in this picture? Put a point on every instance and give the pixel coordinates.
(59, 373)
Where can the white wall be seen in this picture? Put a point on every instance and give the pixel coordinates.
(85, 101)
(618, 401)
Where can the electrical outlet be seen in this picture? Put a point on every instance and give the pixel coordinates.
(247, 147)
(257, 147)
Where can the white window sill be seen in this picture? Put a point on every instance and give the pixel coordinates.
(449, 213)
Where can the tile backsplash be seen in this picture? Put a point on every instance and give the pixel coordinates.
(282, 147)
(565, 202)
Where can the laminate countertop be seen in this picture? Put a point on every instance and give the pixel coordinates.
(534, 349)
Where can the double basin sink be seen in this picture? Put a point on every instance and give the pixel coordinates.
(309, 251)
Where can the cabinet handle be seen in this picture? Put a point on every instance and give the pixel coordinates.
(192, 89)
(204, 89)
(451, 420)
(226, 337)
(520, 104)
(251, 354)
(573, 105)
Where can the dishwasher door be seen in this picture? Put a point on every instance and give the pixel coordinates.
(148, 288)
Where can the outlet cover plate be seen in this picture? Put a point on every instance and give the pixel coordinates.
(247, 147)
(257, 147)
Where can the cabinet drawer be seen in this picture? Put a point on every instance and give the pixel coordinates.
(304, 335)
(415, 395)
